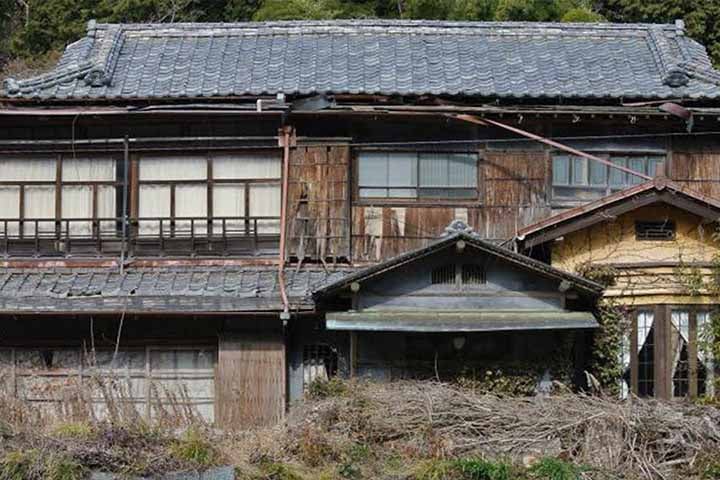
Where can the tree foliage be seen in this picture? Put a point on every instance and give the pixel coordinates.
(702, 17)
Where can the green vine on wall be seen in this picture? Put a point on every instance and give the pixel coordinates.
(606, 355)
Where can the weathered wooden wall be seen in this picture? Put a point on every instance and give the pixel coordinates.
(318, 202)
(513, 193)
(251, 384)
(697, 167)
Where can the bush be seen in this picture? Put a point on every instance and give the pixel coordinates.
(196, 449)
(325, 388)
(477, 469)
(62, 467)
(21, 465)
(549, 468)
(76, 430)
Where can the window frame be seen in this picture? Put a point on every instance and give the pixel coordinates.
(663, 380)
(603, 189)
(418, 200)
(62, 224)
(211, 221)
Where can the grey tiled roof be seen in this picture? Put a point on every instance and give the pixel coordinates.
(516, 60)
(184, 289)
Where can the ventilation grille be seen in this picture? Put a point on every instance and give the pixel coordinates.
(473, 275)
(664, 230)
(444, 275)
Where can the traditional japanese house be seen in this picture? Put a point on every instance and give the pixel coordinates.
(232, 210)
(656, 244)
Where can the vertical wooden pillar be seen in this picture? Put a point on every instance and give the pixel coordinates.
(692, 353)
(662, 360)
(634, 355)
(353, 354)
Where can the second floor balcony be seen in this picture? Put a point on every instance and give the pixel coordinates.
(145, 237)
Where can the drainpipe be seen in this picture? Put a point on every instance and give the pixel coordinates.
(286, 133)
(126, 161)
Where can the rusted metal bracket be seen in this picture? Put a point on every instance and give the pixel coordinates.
(488, 122)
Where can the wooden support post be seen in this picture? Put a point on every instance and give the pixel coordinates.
(634, 355)
(353, 354)
(692, 353)
(662, 360)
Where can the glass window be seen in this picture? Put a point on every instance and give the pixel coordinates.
(646, 353)
(579, 178)
(413, 174)
(175, 194)
(561, 170)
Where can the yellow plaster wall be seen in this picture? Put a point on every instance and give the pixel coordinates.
(639, 282)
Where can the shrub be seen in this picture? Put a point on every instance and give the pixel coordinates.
(76, 430)
(62, 467)
(194, 447)
(549, 468)
(21, 465)
(478, 469)
(325, 388)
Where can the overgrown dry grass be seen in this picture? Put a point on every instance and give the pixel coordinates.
(406, 430)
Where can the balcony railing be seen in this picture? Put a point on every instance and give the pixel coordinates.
(144, 237)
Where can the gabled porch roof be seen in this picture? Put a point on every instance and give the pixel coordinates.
(458, 231)
(658, 190)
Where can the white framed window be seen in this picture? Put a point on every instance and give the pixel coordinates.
(580, 178)
(413, 175)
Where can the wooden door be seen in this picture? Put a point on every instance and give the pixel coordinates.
(251, 381)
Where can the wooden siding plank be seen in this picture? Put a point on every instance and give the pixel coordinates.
(251, 380)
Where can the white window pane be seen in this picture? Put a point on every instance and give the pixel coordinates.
(434, 170)
(373, 169)
(242, 166)
(39, 203)
(77, 202)
(191, 202)
(401, 193)
(173, 168)
(617, 177)
(561, 170)
(265, 202)
(154, 201)
(88, 169)
(653, 165)
(228, 201)
(373, 192)
(401, 170)
(106, 207)
(598, 173)
(637, 164)
(462, 170)
(580, 172)
(14, 169)
(9, 209)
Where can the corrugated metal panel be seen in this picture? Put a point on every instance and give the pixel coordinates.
(478, 321)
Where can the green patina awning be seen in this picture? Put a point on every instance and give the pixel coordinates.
(472, 321)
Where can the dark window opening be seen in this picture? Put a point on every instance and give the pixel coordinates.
(320, 362)
(470, 274)
(655, 230)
